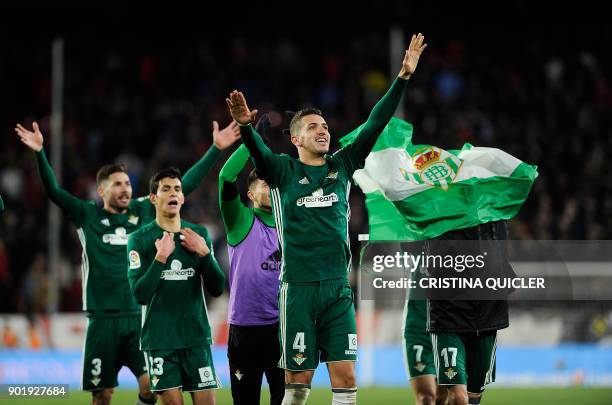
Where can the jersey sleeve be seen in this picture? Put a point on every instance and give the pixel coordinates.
(75, 209)
(237, 218)
(353, 156)
(143, 277)
(144, 207)
(213, 276)
(1, 204)
(271, 167)
(198, 172)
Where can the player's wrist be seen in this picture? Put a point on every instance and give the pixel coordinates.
(203, 253)
(161, 258)
(404, 75)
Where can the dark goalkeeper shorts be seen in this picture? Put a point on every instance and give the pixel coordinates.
(317, 323)
(110, 343)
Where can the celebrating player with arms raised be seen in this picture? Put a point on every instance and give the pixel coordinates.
(310, 201)
(114, 317)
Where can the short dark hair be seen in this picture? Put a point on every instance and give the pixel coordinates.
(105, 171)
(297, 117)
(253, 177)
(169, 172)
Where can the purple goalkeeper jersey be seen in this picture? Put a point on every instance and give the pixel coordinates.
(254, 277)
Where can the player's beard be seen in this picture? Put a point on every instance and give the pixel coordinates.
(115, 205)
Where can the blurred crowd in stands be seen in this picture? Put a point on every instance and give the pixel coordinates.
(151, 104)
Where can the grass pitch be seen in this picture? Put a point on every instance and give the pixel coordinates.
(374, 396)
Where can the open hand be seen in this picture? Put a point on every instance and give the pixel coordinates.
(226, 137)
(239, 109)
(413, 53)
(32, 139)
(194, 242)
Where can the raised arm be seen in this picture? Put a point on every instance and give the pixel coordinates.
(237, 218)
(270, 166)
(385, 108)
(143, 284)
(222, 139)
(73, 207)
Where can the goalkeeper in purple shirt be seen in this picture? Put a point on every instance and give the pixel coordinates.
(254, 256)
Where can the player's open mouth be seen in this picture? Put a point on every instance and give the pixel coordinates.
(124, 198)
(173, 202)
(322, 141)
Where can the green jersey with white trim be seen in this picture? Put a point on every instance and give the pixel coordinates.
(104, 236)
(174, 314)
(312, 213)
(311, 202)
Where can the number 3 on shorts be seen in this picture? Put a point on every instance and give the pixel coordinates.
(298, 343)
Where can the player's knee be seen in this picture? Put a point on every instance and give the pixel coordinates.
(102, 397)
(426, 398)
(146, 397)
(441, 396)
(346, 380)
(457, 397)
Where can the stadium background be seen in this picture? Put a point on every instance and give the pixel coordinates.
(143, 84)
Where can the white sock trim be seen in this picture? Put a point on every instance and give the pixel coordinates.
(344, 396)
(296, 394)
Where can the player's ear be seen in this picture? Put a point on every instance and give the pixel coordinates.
(152, 198)
(296, 140)
(251, 196)
(101, 190)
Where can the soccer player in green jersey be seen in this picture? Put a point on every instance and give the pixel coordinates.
(310, 201)
(170, 262)
(418, 352)
(113, 327)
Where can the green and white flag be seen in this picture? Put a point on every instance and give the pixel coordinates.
(416, 192)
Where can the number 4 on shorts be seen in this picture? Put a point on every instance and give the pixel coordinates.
(298, 343)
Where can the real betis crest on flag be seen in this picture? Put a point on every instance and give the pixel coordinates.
(416, 192)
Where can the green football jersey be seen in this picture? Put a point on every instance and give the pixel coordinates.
(311, 202)
(174, 314)
(104, 238)
(1, 204)
(312, 213)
